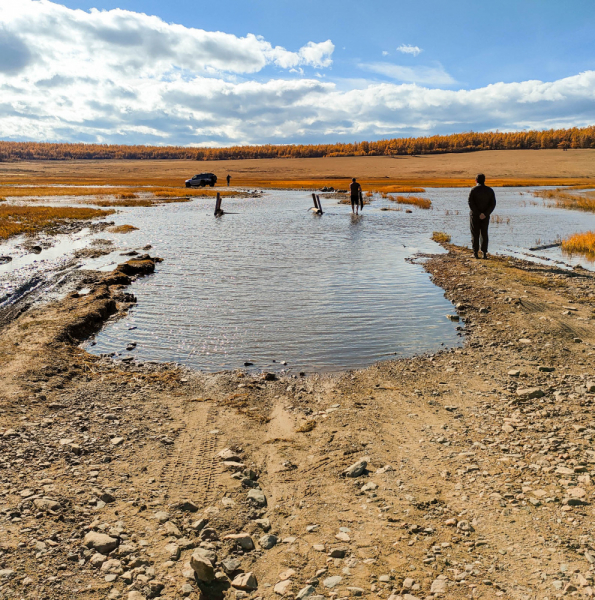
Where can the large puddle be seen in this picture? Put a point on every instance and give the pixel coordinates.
(274, 284)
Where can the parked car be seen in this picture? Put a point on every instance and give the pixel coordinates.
(201, 180)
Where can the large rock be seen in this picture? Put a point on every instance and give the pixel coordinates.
(210, 555)
(356, 469)
(229, 455)
(231, 565)
(331, 582)
(283, 587)
(202, 567)
(100, 542)
(246, 582)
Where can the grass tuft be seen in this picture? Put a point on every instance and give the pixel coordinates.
(122, 229)
(580, 243)
(564, 198)
(414, 201)
(441, 237)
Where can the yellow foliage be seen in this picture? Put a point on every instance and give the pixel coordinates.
(441, 237)
(16, 220)
(122, 229)
(413, 200)
(580, 243)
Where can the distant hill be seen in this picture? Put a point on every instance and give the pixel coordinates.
(437, 144)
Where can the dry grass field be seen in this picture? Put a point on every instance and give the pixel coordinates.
(382, 173)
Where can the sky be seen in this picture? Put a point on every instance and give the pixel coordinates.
(192, 73)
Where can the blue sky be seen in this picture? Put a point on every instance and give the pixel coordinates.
(286, 71)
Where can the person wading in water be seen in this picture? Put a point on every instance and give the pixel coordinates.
(482, 202)
(355, 190)
(228, 179)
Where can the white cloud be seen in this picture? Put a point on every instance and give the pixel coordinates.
(384, 53)
(39, 35)
(408, 49)
(427, 75)
(124, 77)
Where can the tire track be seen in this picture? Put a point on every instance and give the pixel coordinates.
(192, 468)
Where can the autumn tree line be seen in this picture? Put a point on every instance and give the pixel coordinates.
(576, 137)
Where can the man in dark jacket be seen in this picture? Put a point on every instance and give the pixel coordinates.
(482, 202)
(355, 191)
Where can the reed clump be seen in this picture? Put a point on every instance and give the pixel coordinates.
(122, 229)
(441, 237)
(564, 198)
(127, 196)
(424, 203)
(580, 243)
(30, 220)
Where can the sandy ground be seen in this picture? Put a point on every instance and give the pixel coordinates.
(501, 167)
(477, 480)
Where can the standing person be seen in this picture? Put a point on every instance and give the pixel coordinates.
(355, 190)
(228, 179)
(482, 202)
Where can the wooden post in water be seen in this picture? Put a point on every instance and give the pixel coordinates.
(319, 205)
(218, 211)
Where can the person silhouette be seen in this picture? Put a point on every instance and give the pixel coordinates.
(355, 190)
(228, 179)
(482, 202)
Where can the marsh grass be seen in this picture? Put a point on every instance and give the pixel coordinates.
(499, 220)
(122, 229)
(29, 220)
(424, 203)
(564, 198)
(580, 243)
(441, 237)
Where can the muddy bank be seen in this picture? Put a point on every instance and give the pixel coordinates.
(128, 481)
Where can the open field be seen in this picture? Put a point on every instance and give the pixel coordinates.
(477, 482)
(511, 167)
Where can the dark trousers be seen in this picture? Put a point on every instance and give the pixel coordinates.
(479, 229)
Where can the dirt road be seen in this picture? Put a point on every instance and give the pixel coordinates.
(137, 481)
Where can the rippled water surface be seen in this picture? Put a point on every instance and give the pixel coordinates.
(277, 283)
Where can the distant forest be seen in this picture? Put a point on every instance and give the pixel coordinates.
(437, 144)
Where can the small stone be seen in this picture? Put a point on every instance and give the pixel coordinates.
(288, 574)
(186, 506)
(134, 595)
(172, 551)
(199, 525)
(305, 592)
(186, 589)
(544, 369)
(533, 392)
(338, 553)
(230, 565)
(264, 524)
(46, 504)
(257, 498)
(355, 591)
(356, 469)
(229, 455)
(117, 441)
(439, 586)
(202, 567)
(100, 542)
(344, 537)
(514, 373)
(331, 582)
(283, 587)
(241, 539)
(267, 541)
(319, 547)
(162, 516)
(246, 582)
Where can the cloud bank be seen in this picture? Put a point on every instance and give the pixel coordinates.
(123, 77)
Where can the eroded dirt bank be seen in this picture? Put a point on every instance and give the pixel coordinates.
(115, 481)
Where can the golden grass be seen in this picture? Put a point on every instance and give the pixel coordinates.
(413, 200)
(127, 196)
(29, 220)
(441, 237)
(122, 229)
(580, 243)
(563, 198)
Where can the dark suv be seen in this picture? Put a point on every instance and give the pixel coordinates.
(201, 180)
